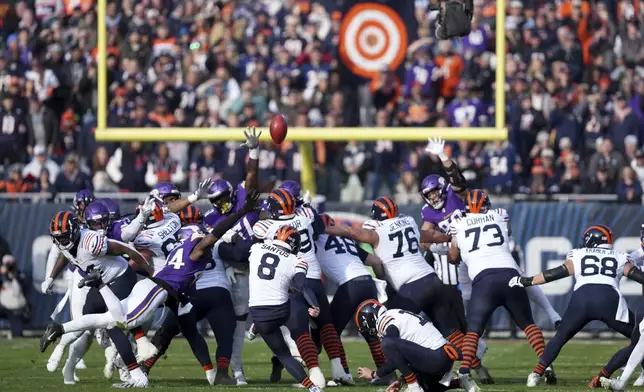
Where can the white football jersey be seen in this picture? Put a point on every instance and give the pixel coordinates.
(266, 229)
(412, 328)
(339, 259)
(399, 249)
(271, 272)
(601, 265)
(91, 253)
(484, 241)
(214, 277)
(159, 240)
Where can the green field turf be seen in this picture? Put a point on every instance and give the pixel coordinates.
(22, 367)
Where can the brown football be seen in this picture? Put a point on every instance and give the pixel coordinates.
(278, 129)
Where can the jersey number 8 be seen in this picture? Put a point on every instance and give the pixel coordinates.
(592, 265)
(267, 266)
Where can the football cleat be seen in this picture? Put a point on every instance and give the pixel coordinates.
(533, 380)
(52, 333)
(55, 358)
(549, 375)
(614, 384)
(276, 371)
(339, 375)
(316, 375)
(640, 380)
(145, 349)
(414, 387)
(467, 383)
(484, 375)
(222, 378)
(240, 378)
(69, 373)
(594, 383)
(384, 381)
(81, 365)
(110, 357)
(133, 383)
(315, 388)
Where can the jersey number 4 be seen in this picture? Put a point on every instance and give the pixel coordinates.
(267, 266)
(410, 237)
(176, 259)
(476, 231)
(593, 265)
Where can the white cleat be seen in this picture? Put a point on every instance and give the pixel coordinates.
(81, 365)
(414, 388)
(240, 378)
(110, 366)
(69, 374)
(467, 383)
(102, 338)
(640, 380)
(614, 384)
(145, 349)
(124, 375)
(317, 377)
(315, 388)
(533, 380)
(339, 375)
(139, 382)
(55, 358)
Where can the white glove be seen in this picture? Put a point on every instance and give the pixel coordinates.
(184, 309)
(436, 146)
(45, 287)
(515, 282)
(230, 274)
(381, 287)
(228, 236)
(148, 206)
(306, 199)
(439, 249)
(202, 191)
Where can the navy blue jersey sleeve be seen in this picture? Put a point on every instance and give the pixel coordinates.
(238, 252)
(318, 225)
(299, 283)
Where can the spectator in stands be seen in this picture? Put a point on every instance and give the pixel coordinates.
(14, 305)
(14, 182)
(205, 166)
(623, 123)
(604, 167)
(44, 123)
(354, 163)
(162, 168)
(16, 137)
(637, 163)
(407, 189)
(386, 159)
(503, 165)
(629, 189)
(71, 178)
(40, 162)
(101, 179)
(545, 176)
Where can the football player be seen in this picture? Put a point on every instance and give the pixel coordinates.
(280, 210)
(89, 250)
(342, 262)
(82, 199)
(413, 346)
(481, 240)
(598, 269)
(191, 215)
(274, 268)
(226, 200)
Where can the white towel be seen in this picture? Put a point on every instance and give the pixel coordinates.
(622, 309)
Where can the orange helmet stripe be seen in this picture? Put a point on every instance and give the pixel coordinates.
(362, 305)
(55, 222)
(605, 230)
(383, 208)
(65, 217)
(287, 200)
(392, 206)
(279, 200)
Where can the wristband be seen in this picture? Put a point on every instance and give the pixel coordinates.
(525, 282)
(254, 154)
(443, 157)
(192, 198)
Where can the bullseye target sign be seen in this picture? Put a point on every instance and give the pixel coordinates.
(372, 36)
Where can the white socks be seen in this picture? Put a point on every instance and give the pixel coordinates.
(89, 321)
(633, 361)
(238, 345)
(113, 304)
(537, 296)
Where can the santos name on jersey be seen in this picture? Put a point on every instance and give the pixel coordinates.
(304, 223)
(341, 259)
(399, 249)
(91, 253)
(159, 240)
(271, 272)
(484, 241)
(411, 327)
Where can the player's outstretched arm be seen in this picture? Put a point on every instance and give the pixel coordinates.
(357, 234)
(436, 146)
(376, 264)
(137, 261)
(200, 194)
(633, 273)
(426, 226)
(224, 225)
(132, 229)
(454, 254)
(433, 237)
(252, 142)
(564, 270)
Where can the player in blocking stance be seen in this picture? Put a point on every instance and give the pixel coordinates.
(597, 268)
(274, 268)
(413, 346)
(481, 239)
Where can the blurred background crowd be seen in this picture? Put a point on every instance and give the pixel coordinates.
(574, 87)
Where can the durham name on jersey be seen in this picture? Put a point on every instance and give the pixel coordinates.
(601, 265)
(271, 272)
(159, 240)
(91, 253)
(484, 241)
(412, 328)
(303, 221)
(399, 249)
(341, 259)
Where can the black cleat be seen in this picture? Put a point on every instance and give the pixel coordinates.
(276, 372)
(557, 324)
(549, 374)
(52, 333)
(484, 375)
(222, 378)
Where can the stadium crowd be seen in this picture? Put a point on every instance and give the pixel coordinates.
(574, 87)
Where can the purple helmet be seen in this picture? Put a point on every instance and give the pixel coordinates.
(97, 216)
(167, 189)
(112, 207)
(221, 195)
(81, 200)
(434, 191)
(294, 188)
(186, 232)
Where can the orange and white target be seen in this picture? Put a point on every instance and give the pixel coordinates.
(372, 36)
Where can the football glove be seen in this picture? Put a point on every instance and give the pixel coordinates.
(45, 287)
(436, 146)
(230, 274)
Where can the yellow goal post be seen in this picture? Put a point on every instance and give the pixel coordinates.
(303, 136)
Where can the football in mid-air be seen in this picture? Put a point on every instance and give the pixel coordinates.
(278, 129)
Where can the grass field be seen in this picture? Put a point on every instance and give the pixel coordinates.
(22, 367)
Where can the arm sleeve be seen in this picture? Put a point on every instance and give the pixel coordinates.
(636, 274)
(95, 243)
(261, 229)
(362, 254)
(318, 225)
(637, 256)
(131, 230)
(299, 283)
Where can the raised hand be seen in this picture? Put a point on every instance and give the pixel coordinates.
(203, 189)
(252, 138)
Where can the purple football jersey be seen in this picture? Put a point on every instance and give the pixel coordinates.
(181, 272)
(116, 228)
(440, 218)
(244, 225)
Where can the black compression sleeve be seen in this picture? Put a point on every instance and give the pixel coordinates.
(456, 178)
(362, 254)
(556, 273)
(239, 252)
(636, 274)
